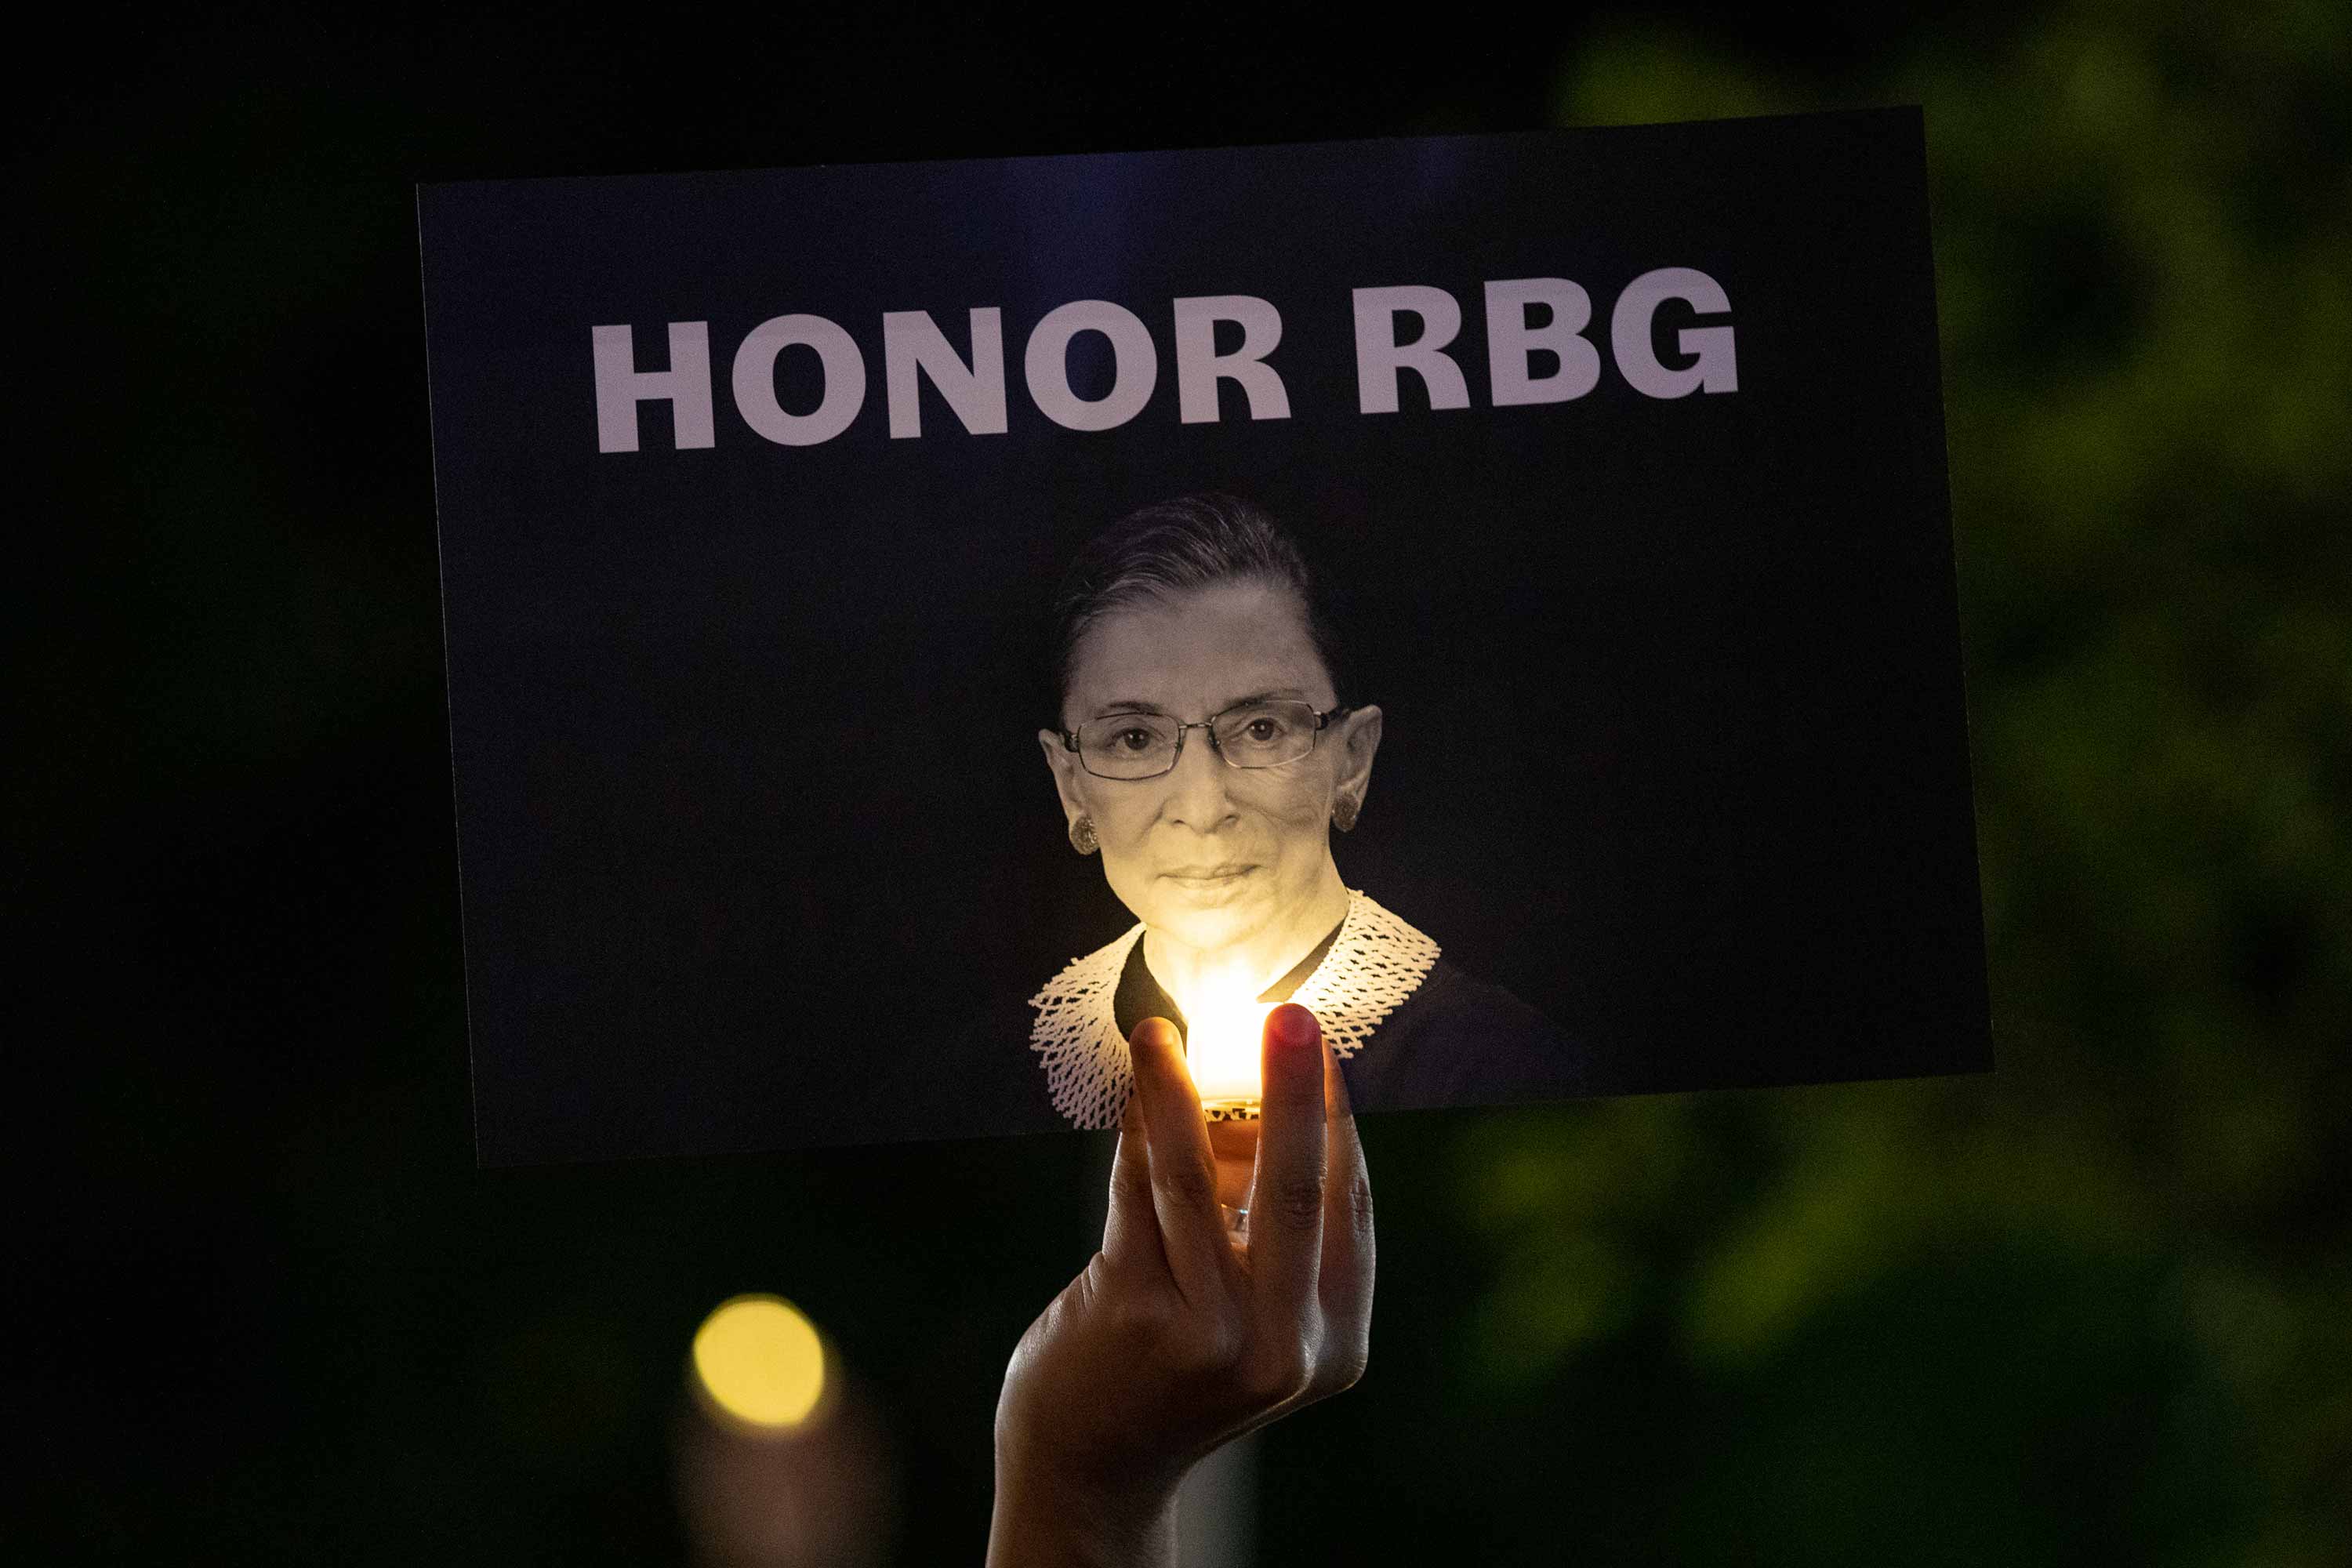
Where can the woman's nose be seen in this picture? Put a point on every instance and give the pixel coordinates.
(1196, 784)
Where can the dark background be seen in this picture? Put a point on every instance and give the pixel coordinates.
(744, 736)
(2087, 1308)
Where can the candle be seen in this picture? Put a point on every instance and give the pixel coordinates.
(1223, 1035)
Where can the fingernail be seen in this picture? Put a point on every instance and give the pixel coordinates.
(1292, 1029)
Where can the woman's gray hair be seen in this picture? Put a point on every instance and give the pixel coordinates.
(1176, 546)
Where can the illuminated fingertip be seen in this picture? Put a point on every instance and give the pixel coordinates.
(1159, 1031)
(761, 1363)
(1291, 1024)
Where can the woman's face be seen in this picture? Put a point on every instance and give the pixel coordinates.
(1208, 854)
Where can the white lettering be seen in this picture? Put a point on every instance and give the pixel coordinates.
(621, 385)
(1136, 365)
(1378, 356)
(1199, 365)
(1716, 367)
(911, 341)
(1512, 343)
(755, 380)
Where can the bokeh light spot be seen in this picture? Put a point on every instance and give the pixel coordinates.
(761, 1361)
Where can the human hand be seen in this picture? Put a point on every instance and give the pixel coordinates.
(1175, 1338)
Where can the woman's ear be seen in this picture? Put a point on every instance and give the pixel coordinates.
(1359, 741)
(1065, 765)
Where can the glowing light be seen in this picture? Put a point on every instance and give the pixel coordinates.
(1223, 1036)
(761, 1362)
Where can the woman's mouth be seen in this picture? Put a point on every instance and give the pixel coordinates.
(1207, 877)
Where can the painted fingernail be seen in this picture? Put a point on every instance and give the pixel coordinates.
(1292, 1029)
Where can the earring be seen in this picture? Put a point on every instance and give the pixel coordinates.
(1343, 813)
(1082, 835)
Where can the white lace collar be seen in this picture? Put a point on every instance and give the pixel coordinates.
(1373, 964)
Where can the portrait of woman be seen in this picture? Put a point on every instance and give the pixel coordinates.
(1205, 751)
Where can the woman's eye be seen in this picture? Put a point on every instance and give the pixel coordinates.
(1133, 740)
(1262, 729)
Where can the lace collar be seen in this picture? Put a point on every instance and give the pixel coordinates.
(1374, 963)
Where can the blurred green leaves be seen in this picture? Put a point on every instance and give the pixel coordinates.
(2143, 221)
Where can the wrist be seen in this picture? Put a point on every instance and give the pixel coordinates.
(1046, 1517)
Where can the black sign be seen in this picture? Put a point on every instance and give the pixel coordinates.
(905, 622)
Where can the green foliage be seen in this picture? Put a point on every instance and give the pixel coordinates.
(2143, 219)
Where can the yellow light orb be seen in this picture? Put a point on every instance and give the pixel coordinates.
(761, 1361)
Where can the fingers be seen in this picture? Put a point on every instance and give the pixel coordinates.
(1345, 1281)
(1183, 1173)
(1235, 1145)
(1287, 1208)
(1131, 1231)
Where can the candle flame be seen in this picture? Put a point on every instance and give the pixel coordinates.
(1223, 1032)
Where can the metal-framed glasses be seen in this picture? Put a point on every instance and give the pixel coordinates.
(1261, 734)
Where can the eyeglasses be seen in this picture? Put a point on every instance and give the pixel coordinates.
(1248, 735)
